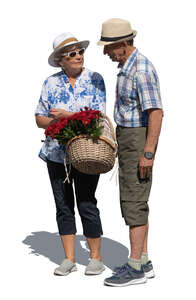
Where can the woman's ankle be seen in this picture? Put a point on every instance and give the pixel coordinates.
(96, 256)
(71, 258)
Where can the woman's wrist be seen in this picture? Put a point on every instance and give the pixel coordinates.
(68, 114)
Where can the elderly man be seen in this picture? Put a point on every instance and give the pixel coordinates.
(138, 114)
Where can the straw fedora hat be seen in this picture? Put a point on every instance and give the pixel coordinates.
(116, 30)
(62, 43)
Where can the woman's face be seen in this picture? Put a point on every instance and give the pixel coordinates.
(75, 63)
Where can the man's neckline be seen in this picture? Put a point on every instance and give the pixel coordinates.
(123, 67)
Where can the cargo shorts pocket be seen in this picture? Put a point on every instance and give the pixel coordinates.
(132, 187)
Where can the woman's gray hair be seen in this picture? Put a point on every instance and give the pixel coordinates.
(57, 58)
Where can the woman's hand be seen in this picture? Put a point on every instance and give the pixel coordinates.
(58, 113)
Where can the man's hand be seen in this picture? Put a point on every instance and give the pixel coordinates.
(60, 113)
(145, 167)
(154, 127)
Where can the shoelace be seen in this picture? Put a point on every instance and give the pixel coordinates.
(66, 171)
(121, 269)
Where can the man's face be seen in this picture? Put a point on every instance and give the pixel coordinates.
(116, 51)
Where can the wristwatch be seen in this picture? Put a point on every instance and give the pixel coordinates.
(149, 155)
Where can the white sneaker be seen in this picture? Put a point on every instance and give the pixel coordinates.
(95, 267)
(66, 267)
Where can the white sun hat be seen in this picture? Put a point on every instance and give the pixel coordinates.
(63, 42)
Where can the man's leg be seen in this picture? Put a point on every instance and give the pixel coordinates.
(134, 192)
(144, 257)
(137, 238)
(145, 248)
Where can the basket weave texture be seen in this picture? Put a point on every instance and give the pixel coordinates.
(94, 156)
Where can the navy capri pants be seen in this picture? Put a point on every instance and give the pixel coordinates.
(85, 187)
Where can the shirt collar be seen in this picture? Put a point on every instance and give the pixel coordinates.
(65, 76)
(128, 63)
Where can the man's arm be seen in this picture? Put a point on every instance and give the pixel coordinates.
(154, 128)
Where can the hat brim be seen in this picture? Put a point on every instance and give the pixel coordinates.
(51, 59)
(103, 43)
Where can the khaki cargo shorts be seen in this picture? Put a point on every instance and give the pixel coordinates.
(134, 191)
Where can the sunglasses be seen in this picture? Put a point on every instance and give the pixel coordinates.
(73, 53)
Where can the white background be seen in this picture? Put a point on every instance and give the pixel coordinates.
(30, 248)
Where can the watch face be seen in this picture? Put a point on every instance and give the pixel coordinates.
(148, 155)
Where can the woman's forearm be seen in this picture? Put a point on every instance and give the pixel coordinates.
(44, 122)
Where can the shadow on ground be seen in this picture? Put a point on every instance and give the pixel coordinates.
(49, 245)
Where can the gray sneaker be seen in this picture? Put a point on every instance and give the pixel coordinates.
(148, 269)
(126, 276)
(95, 267)
(66, 267)
(117, 269)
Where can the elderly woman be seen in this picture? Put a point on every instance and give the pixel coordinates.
(63, 94)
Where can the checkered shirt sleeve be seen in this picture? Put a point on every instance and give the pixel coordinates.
(148, 90)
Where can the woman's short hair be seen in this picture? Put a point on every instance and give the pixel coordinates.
(58, 57)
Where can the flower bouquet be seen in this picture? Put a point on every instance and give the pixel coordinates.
(85, 122)
(89, 139)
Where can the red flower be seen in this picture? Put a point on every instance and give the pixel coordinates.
(62, 123)
(74, 124)
(86, 122)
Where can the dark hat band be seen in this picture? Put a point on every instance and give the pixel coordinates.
(113, 39)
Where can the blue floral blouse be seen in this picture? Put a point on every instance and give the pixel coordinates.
(57, 92)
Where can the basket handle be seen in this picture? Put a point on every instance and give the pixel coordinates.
(111, 125)
(113, 133)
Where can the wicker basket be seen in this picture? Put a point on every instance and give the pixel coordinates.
(94, 156)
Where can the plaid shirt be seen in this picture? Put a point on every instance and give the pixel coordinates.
(137, 90)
